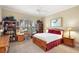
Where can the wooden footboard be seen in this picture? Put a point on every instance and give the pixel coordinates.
(42, 44)
(54, 44)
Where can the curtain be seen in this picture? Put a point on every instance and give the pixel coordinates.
(28, 25)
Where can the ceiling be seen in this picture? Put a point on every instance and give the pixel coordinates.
(39, 10)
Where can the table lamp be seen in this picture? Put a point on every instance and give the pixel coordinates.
(69, 29)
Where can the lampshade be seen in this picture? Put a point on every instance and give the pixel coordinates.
(69, 28)
(46, 30)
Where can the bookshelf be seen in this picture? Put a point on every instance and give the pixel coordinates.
(10, 27)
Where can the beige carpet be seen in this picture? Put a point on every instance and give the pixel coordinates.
(28, 46)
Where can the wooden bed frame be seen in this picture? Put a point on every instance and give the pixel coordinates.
(42, 44)
(47, 46)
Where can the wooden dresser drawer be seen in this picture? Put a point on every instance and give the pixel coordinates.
(2, 49)
(4, 44)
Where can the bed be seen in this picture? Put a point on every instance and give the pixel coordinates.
(46, 41)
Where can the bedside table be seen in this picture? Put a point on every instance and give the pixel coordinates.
(68, 41)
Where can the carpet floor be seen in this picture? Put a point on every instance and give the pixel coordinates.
(27, 46)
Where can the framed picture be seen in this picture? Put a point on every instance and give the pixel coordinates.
(56, 22)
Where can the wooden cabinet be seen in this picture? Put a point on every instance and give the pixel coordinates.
(20, 38)
(4, 44)
(39, 26)
(68, 42)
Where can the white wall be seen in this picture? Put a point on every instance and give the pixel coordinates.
(0, 14)
(70, 17)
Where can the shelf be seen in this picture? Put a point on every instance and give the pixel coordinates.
(10, 26)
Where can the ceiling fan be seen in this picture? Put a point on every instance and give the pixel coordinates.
(41, 11)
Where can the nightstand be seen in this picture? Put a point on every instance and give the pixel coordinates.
(68, 41)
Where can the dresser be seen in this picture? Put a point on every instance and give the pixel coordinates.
(4, 44)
